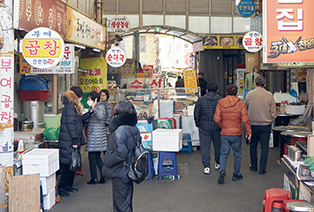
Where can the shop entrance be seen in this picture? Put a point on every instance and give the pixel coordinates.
(230, 62)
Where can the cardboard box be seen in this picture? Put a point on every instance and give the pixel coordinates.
(50, 199)
(48, 183)
(169, 140)
(295, 109)
(41, 161)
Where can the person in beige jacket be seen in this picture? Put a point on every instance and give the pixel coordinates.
(262, 112)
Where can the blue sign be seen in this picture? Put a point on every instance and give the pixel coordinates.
(246, 8)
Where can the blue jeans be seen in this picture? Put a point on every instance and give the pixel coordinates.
(259, 133)
(234, 142)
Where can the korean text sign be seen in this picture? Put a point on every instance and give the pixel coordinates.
(115, 57)
(190, 80)
(95, 77)
(42, 47)
(288, 31)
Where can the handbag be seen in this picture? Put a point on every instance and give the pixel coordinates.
(76, 162)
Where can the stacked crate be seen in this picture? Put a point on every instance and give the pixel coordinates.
(44, 162)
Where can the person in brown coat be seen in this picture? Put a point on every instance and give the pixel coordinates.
(229, 115)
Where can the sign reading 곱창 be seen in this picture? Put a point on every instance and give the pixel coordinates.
(288, 31)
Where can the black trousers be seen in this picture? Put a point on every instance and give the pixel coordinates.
(205, 143)
(94, 162)
(122, 194)
(260, 133)
(67, 177)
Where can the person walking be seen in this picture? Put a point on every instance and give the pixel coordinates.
(262, 112)
(202, 83)
(104, 97)
(96, 138)
(204, 112)
(121, 147)
(70, 136)
(229, 116)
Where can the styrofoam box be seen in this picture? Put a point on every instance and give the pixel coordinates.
(50, 199)
(48, 183)
(169, 140)
(295, 109)
(41, 161)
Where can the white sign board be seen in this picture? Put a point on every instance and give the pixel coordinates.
(66, 66)
(115, 57)
(120, 24)
(252, 41)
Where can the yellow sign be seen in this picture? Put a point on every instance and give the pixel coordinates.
(222, 42)
(190, 80)
(42, 47)
(25, 68)
(128, 68)
(95, 77)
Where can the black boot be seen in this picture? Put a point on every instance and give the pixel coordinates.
(102, 180)
(92, 181)
(63, 192)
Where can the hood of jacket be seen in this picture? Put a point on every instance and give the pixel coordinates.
(70, 97)
(125, 119)
(229, 101)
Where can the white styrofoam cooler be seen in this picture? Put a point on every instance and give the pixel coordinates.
(50, 199)
(169, 140)
(295, 109)
(48, 183)
(41, 161)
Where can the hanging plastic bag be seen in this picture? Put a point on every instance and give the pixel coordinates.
(76, 162)
(51, 133)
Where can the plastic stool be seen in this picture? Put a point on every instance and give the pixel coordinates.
(284, 205)
(275, 194)
(164, 171)
(189, 146)
(150, 166)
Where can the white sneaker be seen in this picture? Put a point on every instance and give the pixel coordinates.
(217, 166)
(206, 170)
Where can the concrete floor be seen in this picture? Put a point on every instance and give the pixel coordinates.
(194, 191)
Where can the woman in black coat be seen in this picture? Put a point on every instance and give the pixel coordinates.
(70, 136)
(121, 148)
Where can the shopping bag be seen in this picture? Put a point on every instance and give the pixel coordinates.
(51, 133)
(76, 162)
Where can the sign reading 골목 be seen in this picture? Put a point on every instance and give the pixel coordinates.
(288, 31)
(115, 57)
(120, 24)
(42, 47)
(246, 8)
(252, 41)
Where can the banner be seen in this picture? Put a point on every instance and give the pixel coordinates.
(288, 31)
(128, 68)
(40, 13)
(190, 80)
(81, 29)
(95, 77)
(222, 42)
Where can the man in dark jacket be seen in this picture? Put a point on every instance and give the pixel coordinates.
(202, 83)
(208, 130)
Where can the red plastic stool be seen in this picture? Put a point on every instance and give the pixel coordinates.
(275, 194)
(290, 200)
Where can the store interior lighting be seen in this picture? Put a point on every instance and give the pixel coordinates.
(79, 46)
(96, 50)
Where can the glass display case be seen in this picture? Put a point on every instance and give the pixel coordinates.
(161, 102)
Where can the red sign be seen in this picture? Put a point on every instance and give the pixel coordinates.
(288, 31)
(115, 57)
(120, 24)
(252, 41)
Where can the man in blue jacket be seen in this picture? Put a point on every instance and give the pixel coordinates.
(208, 130)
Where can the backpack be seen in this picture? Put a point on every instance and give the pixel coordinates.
(138, 167)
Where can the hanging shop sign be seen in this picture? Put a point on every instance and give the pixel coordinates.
(95, 76)
(83, 30)
(128, 68)
(246, 8)
(40, 13)
(115, 57)
(222, 42)
(190, 80)
(252, 41)
(66, 65)
(256, 24)
(288, 31)
(25, 68)
(120, 24)
(42, 47)
(148, 71)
